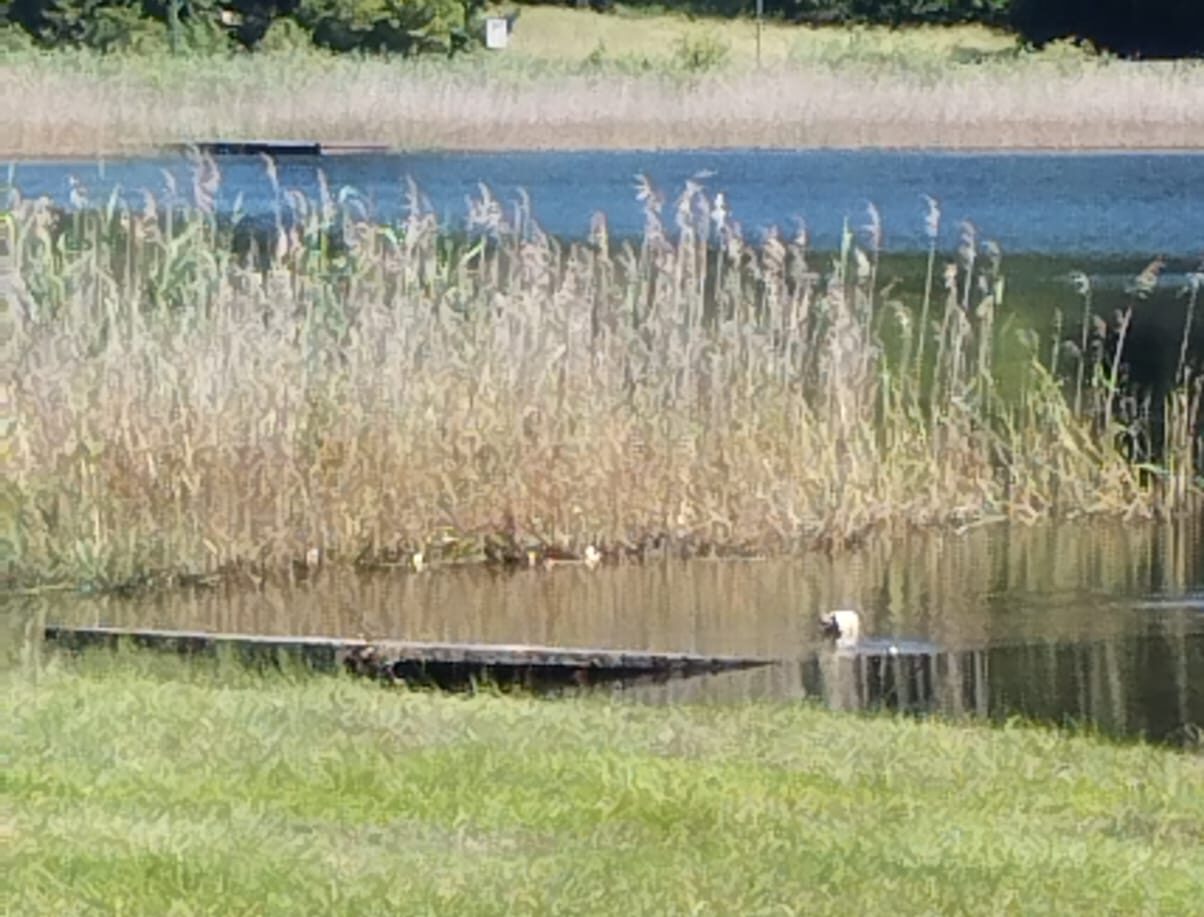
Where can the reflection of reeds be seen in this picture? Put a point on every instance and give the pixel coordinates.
(1047, 584)
(189, 396)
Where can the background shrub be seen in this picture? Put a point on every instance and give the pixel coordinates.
(1151, 28)
(405, 26)
(106, 25)
(284, 34)
(697, 55)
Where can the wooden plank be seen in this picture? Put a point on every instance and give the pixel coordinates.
(279, 148)
(253, 147)
(441, 664)
(348, 148)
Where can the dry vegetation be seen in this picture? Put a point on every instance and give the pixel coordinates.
(379, 391)
(576, 80)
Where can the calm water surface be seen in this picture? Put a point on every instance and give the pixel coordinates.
(1091, 203)
(1095, 625)
(1092, 625)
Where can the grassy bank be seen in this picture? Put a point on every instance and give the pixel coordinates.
(138, 789)
(394, 393)
(576, 79)
(659, 38)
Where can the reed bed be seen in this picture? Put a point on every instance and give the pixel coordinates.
(186, 397)
(73, 103)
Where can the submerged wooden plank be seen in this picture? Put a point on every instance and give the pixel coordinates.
(441, 664)
(347, 148)
(253, 147)
(279, 148)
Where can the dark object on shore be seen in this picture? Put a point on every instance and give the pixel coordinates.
(276, 148)
(448, 666)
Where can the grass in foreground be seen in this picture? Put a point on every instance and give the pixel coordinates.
(143, 787)
(579, 80)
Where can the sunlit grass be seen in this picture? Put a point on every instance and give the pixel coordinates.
(143, 788)
(553, 33)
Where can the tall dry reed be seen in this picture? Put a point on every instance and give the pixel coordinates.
(326, 387)
(77, 104)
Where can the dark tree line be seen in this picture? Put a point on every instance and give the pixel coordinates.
(405, 26)
(1133, 28)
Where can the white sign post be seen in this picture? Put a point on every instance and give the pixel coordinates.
(497, 34)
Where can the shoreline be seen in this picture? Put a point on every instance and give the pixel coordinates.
(133, 153)
(114, 108)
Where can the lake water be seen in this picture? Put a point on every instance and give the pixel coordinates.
(1071, 204)
(1099, 626)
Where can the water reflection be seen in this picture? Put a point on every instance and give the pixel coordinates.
(1148, 684)
(1090, 624)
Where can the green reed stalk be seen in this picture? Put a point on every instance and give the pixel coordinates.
(1055, 346)
(1114, 374)
(1083, 285)
(932, 224)
(1192, 294)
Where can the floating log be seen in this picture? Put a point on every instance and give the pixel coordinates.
(346, 149)
(443, 665)
(277, 148)
(254, 147)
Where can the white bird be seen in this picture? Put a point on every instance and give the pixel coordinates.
(842, 627)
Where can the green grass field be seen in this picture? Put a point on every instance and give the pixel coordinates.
(148, 788)
(554, 33)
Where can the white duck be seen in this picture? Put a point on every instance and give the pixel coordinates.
(842, 627)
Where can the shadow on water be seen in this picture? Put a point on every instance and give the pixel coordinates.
(1147, 684)
(1095, 626)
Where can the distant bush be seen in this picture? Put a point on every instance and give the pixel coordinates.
(1152, 28)
(895, 12)
(248, 21)
(14, 39)
(204, 33)
(887, 12)
(705, 52)
(284, 34)
(405, 26)
(402, 26)
(106, 25)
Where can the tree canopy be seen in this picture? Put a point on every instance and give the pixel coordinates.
(1133, 28)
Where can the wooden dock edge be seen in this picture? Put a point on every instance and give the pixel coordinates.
(444, 665)
(275, 148)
